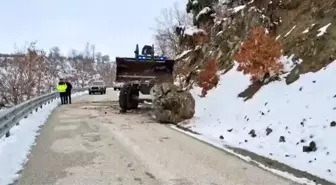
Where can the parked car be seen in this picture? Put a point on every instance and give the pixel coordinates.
(117, 86)
(97, 86)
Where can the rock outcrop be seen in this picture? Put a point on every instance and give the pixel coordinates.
(171, 104)
(305, 29)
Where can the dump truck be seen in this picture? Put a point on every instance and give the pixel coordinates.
(140, 74)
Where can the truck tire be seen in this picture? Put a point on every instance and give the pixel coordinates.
(124, 98)
(135, 97)
(128, 97)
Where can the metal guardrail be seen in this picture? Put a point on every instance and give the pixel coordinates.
(11, 117)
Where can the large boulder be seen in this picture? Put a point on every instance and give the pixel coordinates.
(171, 104)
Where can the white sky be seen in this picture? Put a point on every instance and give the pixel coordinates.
(114, 26)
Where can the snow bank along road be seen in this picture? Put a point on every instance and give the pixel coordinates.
(90, 143)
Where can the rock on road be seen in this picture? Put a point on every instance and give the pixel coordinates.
(90, 143)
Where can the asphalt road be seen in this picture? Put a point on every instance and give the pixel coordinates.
(90, 143)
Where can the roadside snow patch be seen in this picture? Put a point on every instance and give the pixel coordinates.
(15, 149)
(281, 122)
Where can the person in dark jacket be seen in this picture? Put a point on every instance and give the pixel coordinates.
(61, 87)
(68, 91)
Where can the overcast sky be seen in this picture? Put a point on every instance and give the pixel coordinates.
(114, 26)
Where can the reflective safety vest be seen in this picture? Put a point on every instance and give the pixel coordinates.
(61, 87)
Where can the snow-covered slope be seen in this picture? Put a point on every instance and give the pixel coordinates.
(279, 122)
(26, 79)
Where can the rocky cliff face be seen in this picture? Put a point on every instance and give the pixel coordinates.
(306, 30)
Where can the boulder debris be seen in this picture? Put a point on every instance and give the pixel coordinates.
(172, 104)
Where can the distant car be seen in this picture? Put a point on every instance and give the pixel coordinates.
(97, 86)
(117, 86)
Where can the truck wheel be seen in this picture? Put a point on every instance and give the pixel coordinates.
(134, 97)
(128, 97)
(124, 98)
(114, 89)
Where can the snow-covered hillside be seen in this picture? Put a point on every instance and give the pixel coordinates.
(294, 124)
(25, 77)
(289, 118)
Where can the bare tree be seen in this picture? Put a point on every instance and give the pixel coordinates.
(106, 71)
(105, 58)
(30, 71)
(166, 40)
(98, 57)
(23, 77)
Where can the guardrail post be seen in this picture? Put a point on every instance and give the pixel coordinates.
(8, 134)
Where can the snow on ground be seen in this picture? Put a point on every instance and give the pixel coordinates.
(297, 114)
(192, 30)
(290, 31)
(238, 8)
(323, 30)
(15, 149)
(184, 53)
(215, 143)
(205, 10)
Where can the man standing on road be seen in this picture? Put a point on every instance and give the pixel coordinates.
(61, 87)
(68, 91)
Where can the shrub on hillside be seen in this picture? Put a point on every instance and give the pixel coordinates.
(259, 55)
(208, 77)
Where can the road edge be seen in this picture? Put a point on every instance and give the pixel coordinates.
(262, 162)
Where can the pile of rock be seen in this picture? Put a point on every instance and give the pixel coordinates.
(171, 104)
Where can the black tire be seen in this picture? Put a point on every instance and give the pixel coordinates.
(127, 98)
(134, 97)
(90, 92)
(124, 98)
(114, 89)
